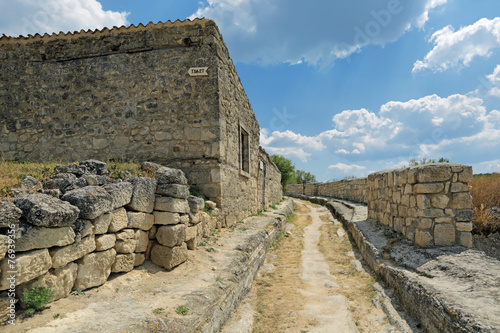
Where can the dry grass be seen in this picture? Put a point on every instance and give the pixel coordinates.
(485, 193)
(13, 172)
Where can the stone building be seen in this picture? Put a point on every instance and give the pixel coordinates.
(165, 92)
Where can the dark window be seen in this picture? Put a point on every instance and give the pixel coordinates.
(244, 151)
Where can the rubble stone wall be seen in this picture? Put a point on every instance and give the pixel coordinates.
(87, 225)
(353, 189)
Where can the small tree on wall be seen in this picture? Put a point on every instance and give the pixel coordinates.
(302, 177)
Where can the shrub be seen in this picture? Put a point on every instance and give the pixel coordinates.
(37, 298)
(485, 193)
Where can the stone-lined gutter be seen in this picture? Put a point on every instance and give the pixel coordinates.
(448, 289)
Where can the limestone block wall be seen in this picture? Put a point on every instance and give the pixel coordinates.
(353, 189)
(429, 204)
(273, 192)
(86, 226)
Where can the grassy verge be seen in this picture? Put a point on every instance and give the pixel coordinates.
(485, 193)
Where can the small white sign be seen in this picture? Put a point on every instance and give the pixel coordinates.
(198, 71)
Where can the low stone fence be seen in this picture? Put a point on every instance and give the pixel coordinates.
(430, 204)
(87, 225)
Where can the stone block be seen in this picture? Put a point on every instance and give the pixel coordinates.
(4, 242)
(423, 202)
(152, 232)
(121, 193)
(398, 224)
(61, 280)
(166, 175)
(461, 201)
(196, 204)
(139, 259)
(463, 215)
(443, 220)
(444, 234)
(169, 257)
(61, 182)
(142, 241)
(459, 187)
(119, 220)
(101, 224)
(410, 234)
(412, 175)
(171, 235)
(166, 218)
(191, 233)
(140, 220)
(440, 201)
(125, 246)
(423, 238)
(123, 263)
(464, 226)
(125, 234)
(83, 228)
(433, 212)
(173, 190)
(428, 188)
(432, 173)
(465, 239)
(466, 175)
(211, 204)
(94, 269)
(143, 195)
(9, 214)
(46, 211)
(173, 205)
(424, 224)
(28, 265)
(105, 242)
(29, 237)
(75, 169)
(61, 256)
(92, 201)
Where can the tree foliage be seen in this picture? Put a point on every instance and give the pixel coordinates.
(414, 162)
(286, 167)
(302, 177)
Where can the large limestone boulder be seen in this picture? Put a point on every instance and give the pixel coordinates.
(121, 193)
(123, 263)
(46, 211)
(105, 242)
(169, 257)
(125, 234)
(61, 280)
(173, 190)
(196, 204)
(139, 220)
(119, 220)
(29, 237)
(7, 307)
(173, 205)
(166, 175)
(77, 170)
(94, 269)
(171, 235)
(92, 201)
(139, 259)
(61, 182)
(101, 224)
(83, 228)
(28, 266)
(143, 195)
(166, 218)
(61, 256)
(95, 167)
(9, 214)
(125, 245)
(142, 240)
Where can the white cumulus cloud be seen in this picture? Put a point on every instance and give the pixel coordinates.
(56, 15)
(347, 168)
(458, 48)
(317, 32)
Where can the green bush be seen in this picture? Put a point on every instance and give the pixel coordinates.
(37, 298)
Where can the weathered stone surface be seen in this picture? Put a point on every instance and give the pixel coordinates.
(440, 201)
(428, 188)
(423, 238)
(28, 265)
(92, 201)
(45, 211)
(150, 166)
(4, 241)
(173, 190)
(7, 307)
(139, 259)
(119, 220)
(142, 241)
(466, 175)
(463, 215)
(95, 167)
(195, 204)
(63, 255)
(444, 234)
(94, 269)
(61, 280)
(173, 205)
(123, 263)
(83, 228)
(464, 226)
(166, 218)
(9, 214)
(459, 187)
(60, 181)
(125, 245)
(77, 170)
(169, 257)
(211, 204)
(143, 195)
(105, 242)
(56, 193)
(166, 175)
(125, 234)
(101, 224)
(431, 173)
(121, 193)
(184, 218)
(465, 239)
(140, 220)
(152, 232)
(171, 235)
(461, 201)
(191, 232)
(30, 237)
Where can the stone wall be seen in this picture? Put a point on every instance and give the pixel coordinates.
(273, 191)
(126, 93)
(87, 225)
(429, 204)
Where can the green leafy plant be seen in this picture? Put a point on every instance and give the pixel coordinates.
(158, 311)
(78, 292)
(182, 310)
(219, 278)
(37, 298)
(273, 207)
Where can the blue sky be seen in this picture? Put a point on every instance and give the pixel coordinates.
(340, 87)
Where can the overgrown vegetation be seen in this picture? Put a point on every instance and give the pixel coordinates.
(289, 175)
(182, 310)
(37, 298)
(414, 162)
(485, 191)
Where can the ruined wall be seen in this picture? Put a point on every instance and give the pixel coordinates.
(273, 192)
(353, 189)
(429, 204)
